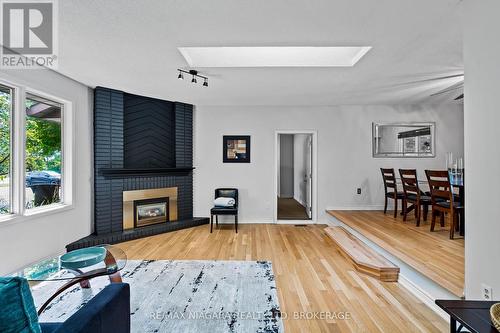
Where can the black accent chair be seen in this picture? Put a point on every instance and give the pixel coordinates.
(225, 193)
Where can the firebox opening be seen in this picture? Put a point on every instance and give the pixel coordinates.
(150, 211)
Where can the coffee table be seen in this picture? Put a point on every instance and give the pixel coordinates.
(51, 270)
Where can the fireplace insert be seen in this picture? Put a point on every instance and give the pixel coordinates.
(150, 211)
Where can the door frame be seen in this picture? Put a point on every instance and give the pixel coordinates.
(314, 199)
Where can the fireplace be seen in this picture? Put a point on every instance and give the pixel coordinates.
(146, 207)
(150, 211)
(135, 162)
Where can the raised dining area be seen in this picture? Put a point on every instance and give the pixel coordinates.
(432, 254)
(422, 224)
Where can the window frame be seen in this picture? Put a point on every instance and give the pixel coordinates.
(18, 155)
(11, 147)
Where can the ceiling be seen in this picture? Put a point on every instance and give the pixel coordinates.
(132, 45)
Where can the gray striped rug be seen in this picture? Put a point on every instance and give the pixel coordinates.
(184, 296)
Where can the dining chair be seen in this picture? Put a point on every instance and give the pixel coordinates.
(391, 189)
(413, 195)
(443, 200)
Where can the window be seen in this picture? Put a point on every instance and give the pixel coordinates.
(35, 152)
(5, 150)
(43, 152)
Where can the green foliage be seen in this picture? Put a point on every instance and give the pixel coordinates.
(43, 141)
(43, 145)
(4, 135)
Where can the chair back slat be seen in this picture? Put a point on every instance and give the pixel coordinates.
(410, 182)
(439, 183)
(389, 178)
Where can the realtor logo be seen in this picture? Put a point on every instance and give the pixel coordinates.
(28, 34)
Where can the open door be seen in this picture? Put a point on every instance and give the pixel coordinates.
(308, 176)
(295, 176)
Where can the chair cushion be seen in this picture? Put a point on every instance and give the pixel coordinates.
(446, 204)
(423, 198)
(224, 210)
(18, 314)
(399, 195)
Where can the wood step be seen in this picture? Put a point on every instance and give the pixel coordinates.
(364, 259)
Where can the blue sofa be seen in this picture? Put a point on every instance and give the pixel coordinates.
(108, 311)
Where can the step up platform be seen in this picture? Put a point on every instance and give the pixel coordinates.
(364, 259)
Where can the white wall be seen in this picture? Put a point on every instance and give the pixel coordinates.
(300, 142)
(482, 163)
(344, 152)
(25, 240)
(286, 168)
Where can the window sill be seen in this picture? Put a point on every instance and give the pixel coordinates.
(34, 213)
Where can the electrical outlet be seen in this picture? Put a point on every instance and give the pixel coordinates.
(487, 292)
(359, 190)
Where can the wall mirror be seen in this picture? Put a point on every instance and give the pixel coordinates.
(403, 140)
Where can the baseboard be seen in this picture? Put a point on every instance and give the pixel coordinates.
(260, 221)
(267, 221)
(295, 222)
(364, 207)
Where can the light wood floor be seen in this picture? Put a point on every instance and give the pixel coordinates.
(311, 276)
(431, 253)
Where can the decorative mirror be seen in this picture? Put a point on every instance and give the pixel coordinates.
(403, 140)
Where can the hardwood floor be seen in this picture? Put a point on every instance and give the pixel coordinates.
(312, 277)
(291, 209)
(363, 258)
(431, 253)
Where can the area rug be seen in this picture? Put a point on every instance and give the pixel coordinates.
(184, 296)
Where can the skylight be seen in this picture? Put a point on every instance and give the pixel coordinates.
(274, 56)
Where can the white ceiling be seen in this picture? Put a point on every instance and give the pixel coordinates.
(132, 45)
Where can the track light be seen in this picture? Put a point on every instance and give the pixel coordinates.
(194, 74)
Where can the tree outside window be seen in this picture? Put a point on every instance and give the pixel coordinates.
(5, 150)
(43, 151)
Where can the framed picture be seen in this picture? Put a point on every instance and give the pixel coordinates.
(236, 149)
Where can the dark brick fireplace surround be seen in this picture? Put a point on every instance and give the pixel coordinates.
(139, 143)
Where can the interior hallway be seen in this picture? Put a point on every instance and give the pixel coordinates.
(291, 209)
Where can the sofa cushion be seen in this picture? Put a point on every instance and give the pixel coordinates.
(18, 314)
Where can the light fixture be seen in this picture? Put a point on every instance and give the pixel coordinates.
(194, 74)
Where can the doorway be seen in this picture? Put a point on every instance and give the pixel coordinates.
(295, 176)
